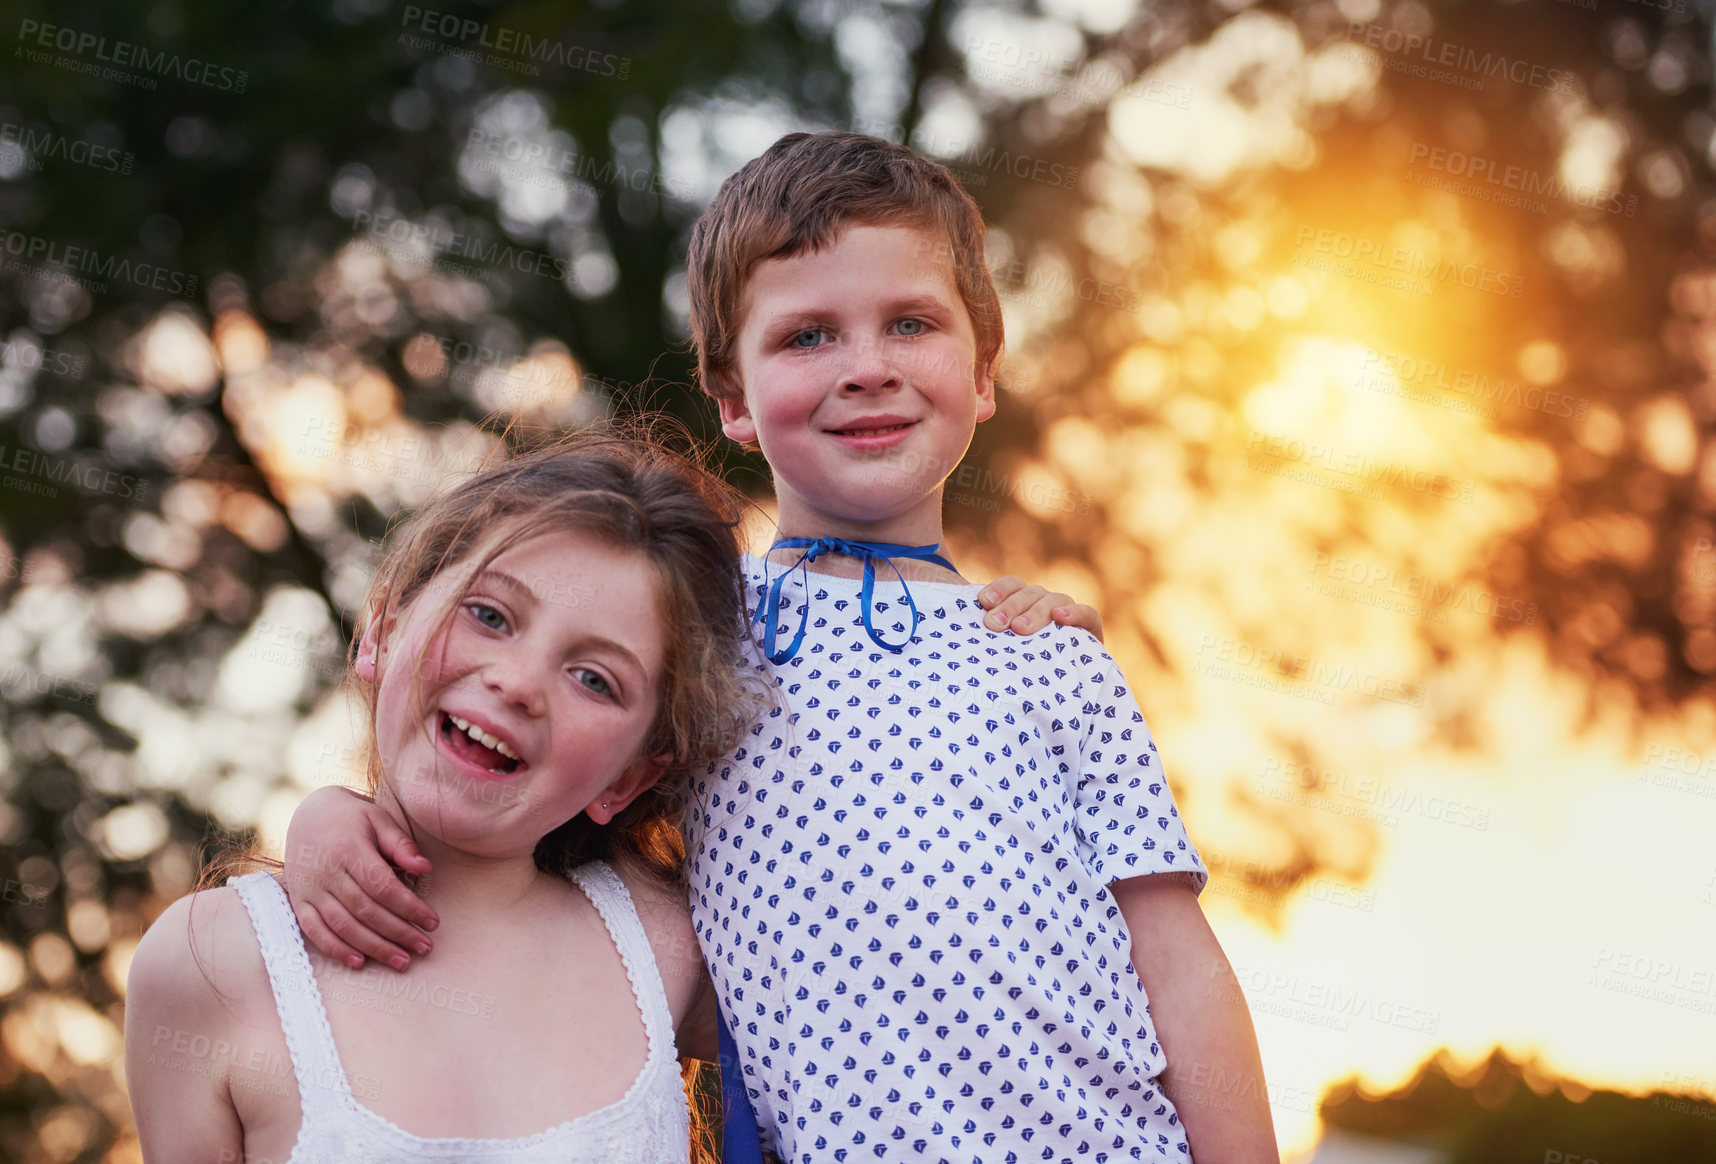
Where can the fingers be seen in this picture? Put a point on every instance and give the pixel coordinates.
(1079, 615)
(361, 938)
(398, 847)
(1025, 610)
(380, 912)
(317, 933)
(1009, 611)
(1002, 587)
(387, 894)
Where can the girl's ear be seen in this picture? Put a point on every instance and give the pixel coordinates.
(371, 647)
(636, 780)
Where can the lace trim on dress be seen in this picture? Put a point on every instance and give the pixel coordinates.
(613, 903)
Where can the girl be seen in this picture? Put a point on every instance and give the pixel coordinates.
(550, 650)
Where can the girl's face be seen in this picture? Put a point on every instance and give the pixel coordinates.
(535, 694)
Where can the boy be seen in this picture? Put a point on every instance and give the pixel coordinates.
(944, 893)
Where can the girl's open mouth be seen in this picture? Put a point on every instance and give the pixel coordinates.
(457, 735)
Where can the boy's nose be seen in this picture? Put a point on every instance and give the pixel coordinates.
(871, 369)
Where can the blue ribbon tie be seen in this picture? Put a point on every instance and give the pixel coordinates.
(769, 612)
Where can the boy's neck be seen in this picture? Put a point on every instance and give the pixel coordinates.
(919, 526)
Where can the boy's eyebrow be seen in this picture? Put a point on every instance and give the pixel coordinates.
(926, 303)
(813, 316)
(522, 593)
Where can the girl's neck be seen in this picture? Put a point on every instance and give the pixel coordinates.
(464, 884)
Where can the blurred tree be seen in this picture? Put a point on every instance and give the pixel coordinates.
(1500, 1111)
(1509, 441)
(264, 274)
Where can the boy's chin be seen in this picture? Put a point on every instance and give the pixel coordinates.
(868, 506)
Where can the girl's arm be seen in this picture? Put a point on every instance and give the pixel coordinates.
(1215, 1072)
(175, 1027)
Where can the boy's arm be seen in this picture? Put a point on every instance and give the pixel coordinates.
(181, 1108)
(1028, 609)
(1215, 1073)
(349, 901)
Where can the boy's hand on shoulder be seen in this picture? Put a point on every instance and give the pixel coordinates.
(1025, 610)
(341, 852)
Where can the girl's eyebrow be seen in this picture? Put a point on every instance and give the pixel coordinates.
(523, 594)
(504, 581)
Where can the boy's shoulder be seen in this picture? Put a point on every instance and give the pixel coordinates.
(950, 632)
(1063, 663)
(1071, 651)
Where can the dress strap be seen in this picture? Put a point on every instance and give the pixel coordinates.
(614, 902)
(303, 1019)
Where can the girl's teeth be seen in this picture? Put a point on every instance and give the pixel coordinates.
(482, 737)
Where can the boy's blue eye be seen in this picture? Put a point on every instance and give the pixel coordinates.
(483, 613)
(599, 687)
(798, 339)
(917, 326)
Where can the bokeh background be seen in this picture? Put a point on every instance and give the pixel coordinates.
(1360, 369)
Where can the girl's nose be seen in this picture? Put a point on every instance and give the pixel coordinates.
(518, 681)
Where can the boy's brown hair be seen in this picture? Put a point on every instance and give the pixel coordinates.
(797, 197)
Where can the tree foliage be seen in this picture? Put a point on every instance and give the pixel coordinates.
(262, 291)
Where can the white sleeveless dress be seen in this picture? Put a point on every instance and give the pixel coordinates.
(650, 1124)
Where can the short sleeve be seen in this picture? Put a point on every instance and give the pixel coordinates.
(1125, 816)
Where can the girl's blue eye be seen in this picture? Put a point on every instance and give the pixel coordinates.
(482, 613)
(916, 324)
(600, 687)
(797, 340)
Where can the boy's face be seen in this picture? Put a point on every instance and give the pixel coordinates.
(860, 379)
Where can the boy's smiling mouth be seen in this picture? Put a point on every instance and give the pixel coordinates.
(876, 431)
(871, 433)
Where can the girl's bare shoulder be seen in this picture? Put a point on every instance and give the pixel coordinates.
(199, 957)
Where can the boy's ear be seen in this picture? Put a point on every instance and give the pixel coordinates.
(736, 419)
(372, 647)
(985, 384)
(638, 778)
